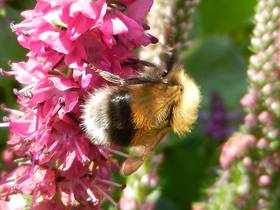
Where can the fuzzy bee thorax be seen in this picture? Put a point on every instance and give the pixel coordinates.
(149, 110)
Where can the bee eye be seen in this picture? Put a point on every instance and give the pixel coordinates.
(164, 73)
(181, 88)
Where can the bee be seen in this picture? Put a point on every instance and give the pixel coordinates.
(139, 111)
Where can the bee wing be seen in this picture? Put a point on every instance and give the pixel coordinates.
(147, 143)
(138, 63)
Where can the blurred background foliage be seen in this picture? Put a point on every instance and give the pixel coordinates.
(217, 60)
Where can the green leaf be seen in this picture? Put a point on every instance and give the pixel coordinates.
(223, 16)
(10, 49)
(217, 64)
(165, 204)
(21, 5)
(185, 169)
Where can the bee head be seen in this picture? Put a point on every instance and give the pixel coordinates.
(185, 109)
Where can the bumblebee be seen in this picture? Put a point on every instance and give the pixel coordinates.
(139, 111)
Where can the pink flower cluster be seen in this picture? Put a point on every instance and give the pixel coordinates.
(141, 185)
(58, 166)
(236, 147)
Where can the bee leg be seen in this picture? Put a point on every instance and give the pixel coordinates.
(113, 78)
(131, 164)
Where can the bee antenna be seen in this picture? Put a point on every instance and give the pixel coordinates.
(107, 196)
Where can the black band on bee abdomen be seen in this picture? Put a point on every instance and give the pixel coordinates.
(120, 115)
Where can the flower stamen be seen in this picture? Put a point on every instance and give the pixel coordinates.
(84, 158)
(12, 111)
(4, 125)
(90, 193)
(107, 196)
(105, 181)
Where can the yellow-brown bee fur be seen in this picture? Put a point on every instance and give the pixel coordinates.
(138, 112)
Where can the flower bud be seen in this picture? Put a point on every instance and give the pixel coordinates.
(249, 100)
(268, 101)
(197, 206)
(262, 143)
(266, 118)
(7, 157)
(275, 107)
(273, 133)
(247, 162)
(256, 41)
(262, 203)
(260, 77)
(234, 148)
(250, 120)
(128, 204)
(264, 180)
(268, 66)
(251, 73)
(267, 89)
(153, 180)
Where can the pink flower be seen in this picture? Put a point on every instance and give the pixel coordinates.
(16, 202)
(263, 143)
(235, 147)
(250, 120)
(264, 180)
(249, 100)
(7, 158)
(48, 205)
(59, 166)
(61, 26)
(128, 204)
(197, 206)
(133, 9)
(266, 118)
(141, 186)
